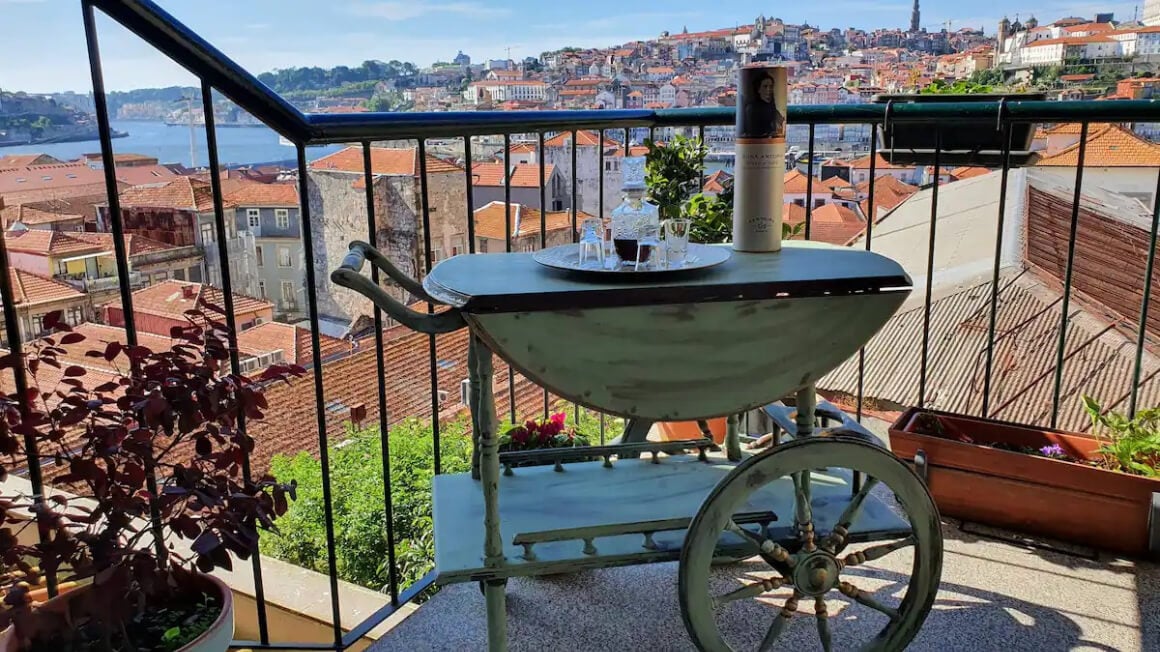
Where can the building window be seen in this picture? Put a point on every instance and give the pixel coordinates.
(800, 202)
(818, 203)
(284, 257)
(161, 276)
(253, 217)
(258, 254)
(557, 205)
(482, 248)
(288, 292)
(179, 274)
(261, 289)
(75, 315)
(436, 255)
(282, 218)
(206, 234)
(37, 325)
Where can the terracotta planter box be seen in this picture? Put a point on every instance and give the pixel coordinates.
(1039, 495)
(685, 430)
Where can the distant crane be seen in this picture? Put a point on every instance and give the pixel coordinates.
(188, 99)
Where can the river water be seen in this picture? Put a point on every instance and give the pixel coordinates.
(171, 145)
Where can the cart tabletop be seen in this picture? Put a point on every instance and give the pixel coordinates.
(514, 282)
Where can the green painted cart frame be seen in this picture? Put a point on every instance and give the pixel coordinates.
(680, 347)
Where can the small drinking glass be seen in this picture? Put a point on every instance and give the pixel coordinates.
(676, 232)
(647, 243)
(592, 239)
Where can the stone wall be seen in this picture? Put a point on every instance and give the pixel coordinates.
(338, 215)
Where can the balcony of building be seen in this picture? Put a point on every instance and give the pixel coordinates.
(1032, 286)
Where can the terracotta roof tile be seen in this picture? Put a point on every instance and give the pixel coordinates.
(1109, 146)
(523, 175)
(391, 161)
(717, 181)
(525, 220)
(33, 289)
(183, 193)
(584, 138)
(263, 194)
(171, 299)
(49, 243)
(25, 160)
(796, 182)
(880, 164)
(293, 341)
(290, 425)
(966, 172)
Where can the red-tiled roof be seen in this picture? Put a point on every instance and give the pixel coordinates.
(171, 299)
(25, 160)
(183, 193)
(1108, 146)
(879, 164)
(584, 138)
(525, 220)
(32, 214)
(290, 424)
(30, 289)
(391, 161)
(49, 243)
(57, 177)
(716, 182)
(253, 193)
(523, 175)
(966, 172)
(796, 183)
(293, 341)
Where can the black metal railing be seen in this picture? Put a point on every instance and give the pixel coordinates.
(218, 74)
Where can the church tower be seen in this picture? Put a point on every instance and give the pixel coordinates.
(914, 18)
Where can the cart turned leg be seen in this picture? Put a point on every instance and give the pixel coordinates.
(733, 438)
(480, 367)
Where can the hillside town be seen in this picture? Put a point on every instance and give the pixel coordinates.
(58, 227)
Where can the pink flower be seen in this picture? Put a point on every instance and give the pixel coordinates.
(519, 435)
(558, 419)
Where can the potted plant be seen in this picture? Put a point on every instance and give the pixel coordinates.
(960, 141)
(1093, 490)
(148, 459)
(540, 434)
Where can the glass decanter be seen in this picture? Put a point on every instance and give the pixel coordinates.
(633, 215)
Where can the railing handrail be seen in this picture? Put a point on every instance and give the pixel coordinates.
(164, 32)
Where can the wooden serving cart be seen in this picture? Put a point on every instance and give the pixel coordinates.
(677, 347)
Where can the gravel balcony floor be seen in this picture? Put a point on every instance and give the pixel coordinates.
(995, 595)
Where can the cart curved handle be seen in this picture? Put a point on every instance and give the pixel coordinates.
(349, 275)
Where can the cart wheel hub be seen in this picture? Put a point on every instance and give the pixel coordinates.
(816, 573)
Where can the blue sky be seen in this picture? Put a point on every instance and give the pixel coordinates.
(268, 34)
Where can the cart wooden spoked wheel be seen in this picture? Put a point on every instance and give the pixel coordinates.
(811, 569)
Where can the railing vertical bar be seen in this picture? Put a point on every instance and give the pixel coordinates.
(1066, 305)
(319, 395)
(809, 182)
(380, 373)
(989, 363)
(470, 198)
(922, 371)
(600, 214)
(627, 146)
(543, 215)
(700, 142)
(575, 235)
(20, 378)
(219, 213)
(433, 364)
(508, 235)
(1149, 267)
(869, 236)
(121, 256)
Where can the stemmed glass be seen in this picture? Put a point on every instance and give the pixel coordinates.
(592, 238)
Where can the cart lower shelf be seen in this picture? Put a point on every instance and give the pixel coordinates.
(597, 503)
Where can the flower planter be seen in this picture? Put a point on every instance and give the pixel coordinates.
(62, 608)
(1040, 495)
(686, 430)
(963, 142)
